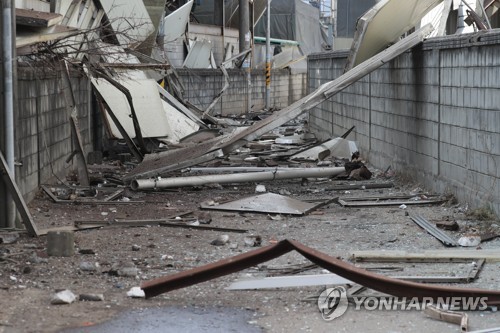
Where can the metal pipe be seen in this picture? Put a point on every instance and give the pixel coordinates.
(150, 184)
(244, 33)
(483, 10)
(268, 56)
(8, 100)
(240, 169)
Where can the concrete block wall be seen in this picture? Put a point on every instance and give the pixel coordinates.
(42, 128)
(203, 85)
(433, 112)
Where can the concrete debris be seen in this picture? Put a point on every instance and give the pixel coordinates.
(9, 238)
(260, 189)
(136, 247)
(63, 297)
(204, 217)
(220, 241)
(86, 266)
(469, 240)
(128, 271)
(60, 243)
(136, 292)
(253, 241)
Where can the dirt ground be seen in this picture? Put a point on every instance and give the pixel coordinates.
(29, 278)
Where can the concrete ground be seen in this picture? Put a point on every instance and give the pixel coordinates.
(28, 278)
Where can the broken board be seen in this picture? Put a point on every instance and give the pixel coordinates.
(268, 203)
(373, 33)
(147, 103)
(11, 185)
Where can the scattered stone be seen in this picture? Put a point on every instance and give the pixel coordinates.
(9, 238)
(253, 241)
(284, 192)
(36, 259)
(63, 297)
(104, 213)
(30, 246)
(136, 247)
(275, 217)
(204, 218)
(86, 266)
(136, 292)
(27, 270)
(91, 297)
(86, 251)
(233, 246)
(324, 163)
(469, 240)
(128, 271)
(221, 240)
(260, 189)
(195, 223)
(403, 206)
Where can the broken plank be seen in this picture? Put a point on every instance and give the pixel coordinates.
(11, 185)
(327, 279)
(434, 231)
(114, 195)
(202, 227)
(43, 232)
(385, 203)
(160, 222)
(349, 187)
(425, 256)
(454, 317)
(289, 281)
(34, 18)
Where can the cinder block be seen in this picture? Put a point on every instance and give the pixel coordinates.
(60, 243)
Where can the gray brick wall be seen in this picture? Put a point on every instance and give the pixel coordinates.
(433, 112)
(42, 129)
(203, 85)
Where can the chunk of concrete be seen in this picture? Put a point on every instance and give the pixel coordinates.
(60, 243)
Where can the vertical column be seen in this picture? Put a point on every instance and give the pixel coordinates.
(7, 211)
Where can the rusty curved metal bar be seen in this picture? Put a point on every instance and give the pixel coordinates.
(395, 287)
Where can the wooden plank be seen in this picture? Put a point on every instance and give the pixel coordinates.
(34, 18)
(162, 223)
(426, 256)
(43, 232)
(83, 173)
(388, 203)
(10, 182)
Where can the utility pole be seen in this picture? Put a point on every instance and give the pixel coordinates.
(268, 56)
(7, 207)
(245, 36)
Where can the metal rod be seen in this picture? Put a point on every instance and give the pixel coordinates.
(485, 14)
(8, 102)
(268, 56)
(149, 184)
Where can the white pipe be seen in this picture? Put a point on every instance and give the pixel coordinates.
(149, 184)
(240, 169)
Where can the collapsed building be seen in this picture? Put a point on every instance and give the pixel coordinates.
(167, 86)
